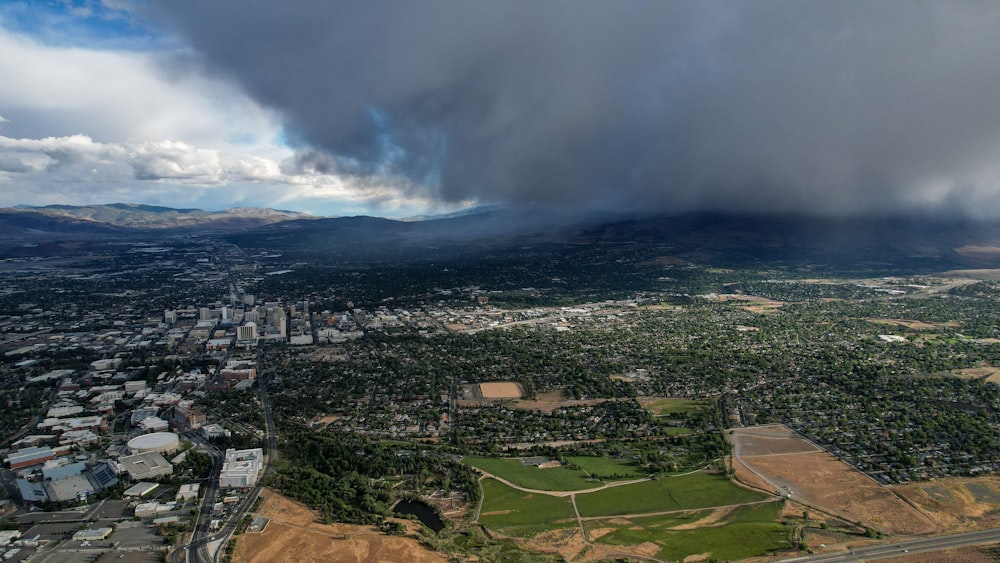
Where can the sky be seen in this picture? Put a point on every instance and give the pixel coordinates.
(406, 108)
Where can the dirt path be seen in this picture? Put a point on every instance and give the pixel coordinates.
(561, 493)
(682, 511)
(579, 520)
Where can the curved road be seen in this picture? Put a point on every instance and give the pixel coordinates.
(561, 493)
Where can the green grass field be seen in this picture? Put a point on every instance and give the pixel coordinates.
(662, 407)
(749, 531)
(604, 467)
(523, 514)
(531, 477)
(676, 430)
(698, 490)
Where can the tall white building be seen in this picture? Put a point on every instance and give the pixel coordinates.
(247, 334)
(241, 468)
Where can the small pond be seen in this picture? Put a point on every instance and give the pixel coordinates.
(422, 511)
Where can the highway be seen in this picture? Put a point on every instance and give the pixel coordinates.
(196, 550)
(901, 548)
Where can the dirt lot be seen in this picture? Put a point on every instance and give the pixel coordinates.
(914, 325)
(822, 480)
(567, 542)
(778, 458)
(989, 373)
(548, 402)
(747, 477)
(775, 439)
(500, 390)
(754, 303)
(294, 534)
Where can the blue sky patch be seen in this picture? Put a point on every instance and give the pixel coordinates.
(79, 23)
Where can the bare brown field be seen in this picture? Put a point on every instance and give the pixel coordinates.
(711, 520)
(914, 325)
(294, 534)
(455, 327)
(567, 542)
(500, 390)
(822, 480)
(322, 421)
(764, 308)
(776, 439)
(959, 504)
(989, 373)
(823, 541)
(754, 303)
(744, 475)
(552, 400)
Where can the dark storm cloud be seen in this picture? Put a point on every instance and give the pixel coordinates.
(829, 106)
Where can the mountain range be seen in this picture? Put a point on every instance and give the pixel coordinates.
(703, 238)
(116, 216)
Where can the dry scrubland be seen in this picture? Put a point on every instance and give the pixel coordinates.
(988, 373)
(295, 534)
(959, 504)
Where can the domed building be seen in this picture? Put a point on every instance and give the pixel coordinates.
(160, 442)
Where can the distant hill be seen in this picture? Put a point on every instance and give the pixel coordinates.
(730, 240)
(28, 223)
(94, 218)
(703, 238)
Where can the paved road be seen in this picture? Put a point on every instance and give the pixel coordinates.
(244, 506)
(197, 549)
(898, 549)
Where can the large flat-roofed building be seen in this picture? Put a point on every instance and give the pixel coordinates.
(62, 468)
(148, 465)
(241, 468)
(96, 534)
(30, 456)
(150, 509)
(31, 491)
(188, 492)
(140, 489)
(76, 488)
